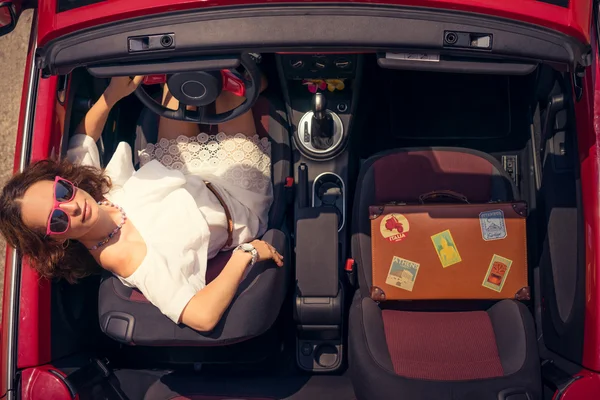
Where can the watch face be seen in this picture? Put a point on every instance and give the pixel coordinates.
(247, 247)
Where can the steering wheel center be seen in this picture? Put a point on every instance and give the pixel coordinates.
(194, 89)
(198, 88)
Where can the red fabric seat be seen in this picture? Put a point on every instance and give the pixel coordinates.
(406, 350)
(432, 345)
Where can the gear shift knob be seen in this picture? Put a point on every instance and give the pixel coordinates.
(319, 106)
(321, 127)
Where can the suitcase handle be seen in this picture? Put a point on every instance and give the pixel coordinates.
(443, 193)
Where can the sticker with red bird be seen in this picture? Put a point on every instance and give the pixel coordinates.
(394, 227)
(497, 273)
(402, 273)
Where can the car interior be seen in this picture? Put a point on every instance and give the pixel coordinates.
(350, 129)
(295, 332)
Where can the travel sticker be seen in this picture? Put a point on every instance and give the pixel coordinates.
(394, 227)
(446, 248)
(402, 274)
(492, 224)
(497, 273)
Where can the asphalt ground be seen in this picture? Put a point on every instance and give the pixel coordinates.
(13, 51)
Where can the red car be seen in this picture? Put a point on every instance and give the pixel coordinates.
(492, 99)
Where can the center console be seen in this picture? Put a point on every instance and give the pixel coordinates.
(321, 92)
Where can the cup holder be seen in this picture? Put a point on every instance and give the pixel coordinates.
(319, 355)
(329, 192)
(326, 356)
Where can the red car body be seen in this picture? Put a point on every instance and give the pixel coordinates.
(575, 20)
(30, 352)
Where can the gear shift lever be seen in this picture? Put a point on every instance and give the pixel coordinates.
(321, 128)
(319, 105)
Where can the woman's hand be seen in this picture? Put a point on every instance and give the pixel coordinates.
(267, 252)
(121, 86)
(93, 122)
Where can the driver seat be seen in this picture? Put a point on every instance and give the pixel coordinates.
(128, 317)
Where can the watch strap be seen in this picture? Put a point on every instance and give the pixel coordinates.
(253, 252)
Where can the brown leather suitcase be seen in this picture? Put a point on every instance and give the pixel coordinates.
(449, 251)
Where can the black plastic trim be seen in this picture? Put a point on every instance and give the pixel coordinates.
(170, 66)
(557, 379)
(514, 394)
(319, 313)
(351, 27)
(459, 66)
(67, 5)
(560, 3)
(125, 336)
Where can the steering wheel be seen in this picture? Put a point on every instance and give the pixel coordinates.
(201, 88)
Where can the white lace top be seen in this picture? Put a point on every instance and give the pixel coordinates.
(181, 221)
(237, 159)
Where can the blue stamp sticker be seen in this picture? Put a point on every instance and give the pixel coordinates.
(493, 226)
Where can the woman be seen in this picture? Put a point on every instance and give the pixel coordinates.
(192, 196)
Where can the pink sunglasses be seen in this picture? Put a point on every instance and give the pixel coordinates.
(59, 221)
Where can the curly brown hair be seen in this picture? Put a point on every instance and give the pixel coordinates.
(49, 257)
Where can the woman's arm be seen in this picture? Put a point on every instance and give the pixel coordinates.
(206, 308)
(93, 122)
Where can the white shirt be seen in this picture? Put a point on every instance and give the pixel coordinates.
(181, 221)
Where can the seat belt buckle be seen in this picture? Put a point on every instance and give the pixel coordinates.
(514, 394)
(350, 271)
(289, 189)
(103, 366)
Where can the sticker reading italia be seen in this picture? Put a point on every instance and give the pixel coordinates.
(394, 227)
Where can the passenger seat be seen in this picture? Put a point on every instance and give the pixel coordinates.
(450, 353)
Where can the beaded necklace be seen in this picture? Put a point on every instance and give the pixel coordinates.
(114, 231)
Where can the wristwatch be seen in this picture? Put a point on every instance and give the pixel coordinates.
(248, 248)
